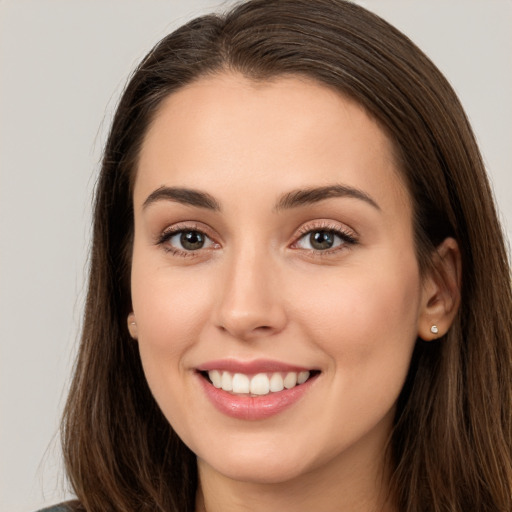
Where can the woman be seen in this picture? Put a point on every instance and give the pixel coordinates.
(299, 294)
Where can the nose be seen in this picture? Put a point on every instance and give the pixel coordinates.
(251, 304)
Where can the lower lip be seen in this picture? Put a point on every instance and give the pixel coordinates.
(254, 407)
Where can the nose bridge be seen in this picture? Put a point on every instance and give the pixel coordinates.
(250, 302)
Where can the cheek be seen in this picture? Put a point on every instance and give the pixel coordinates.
(170, 307)
(366, 315)
(366, 323)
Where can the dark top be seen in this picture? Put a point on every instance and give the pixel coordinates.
(56, 508)
(68, 506)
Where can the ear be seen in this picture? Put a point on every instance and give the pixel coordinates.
(132, 325)
(441, 291)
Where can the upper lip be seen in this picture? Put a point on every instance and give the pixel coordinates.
(250, 367)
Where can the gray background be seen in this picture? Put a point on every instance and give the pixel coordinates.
(63, 64)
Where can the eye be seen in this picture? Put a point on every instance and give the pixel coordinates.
(186, 240)
(319, 240)
(324, 239)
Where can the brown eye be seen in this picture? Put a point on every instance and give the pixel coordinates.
(192, 240)
(186, 240)
(324, 239)
(321, 240)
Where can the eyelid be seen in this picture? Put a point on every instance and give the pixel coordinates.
(326, 225)
(185, 226)
(165, 235)
(348, 235)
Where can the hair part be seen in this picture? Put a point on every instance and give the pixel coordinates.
(451, 445)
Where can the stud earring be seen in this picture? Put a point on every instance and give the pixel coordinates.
(132, 326)
(434, 329)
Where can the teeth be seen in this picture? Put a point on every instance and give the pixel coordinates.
(290, 381)
(226, 382)
(259, 384)
(241, 383)
(302, 377)
(216, 378)
(276, 382)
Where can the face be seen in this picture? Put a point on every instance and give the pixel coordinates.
(275, 286)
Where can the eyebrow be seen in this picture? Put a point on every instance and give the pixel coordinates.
(302, 197)
(293, 199)
(184, 196)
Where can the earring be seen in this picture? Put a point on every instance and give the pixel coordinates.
(132, 326)
(434, 329)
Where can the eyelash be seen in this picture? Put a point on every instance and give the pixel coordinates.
(176, 230)
(348, 238)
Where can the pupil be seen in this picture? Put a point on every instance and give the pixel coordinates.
(192, 240)
(321, 240)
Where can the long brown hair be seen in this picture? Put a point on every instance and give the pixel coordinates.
(451, 445)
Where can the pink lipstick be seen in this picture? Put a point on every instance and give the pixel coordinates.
(254, 390)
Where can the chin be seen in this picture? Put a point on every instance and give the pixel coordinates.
(259, 464)
(259, 472)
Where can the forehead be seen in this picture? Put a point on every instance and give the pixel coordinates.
(289, 131)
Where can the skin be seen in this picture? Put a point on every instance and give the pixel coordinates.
(257, 289)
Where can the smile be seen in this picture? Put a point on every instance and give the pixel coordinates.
(256, 385)
(256, 390)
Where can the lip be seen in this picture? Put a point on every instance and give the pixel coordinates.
(251, 367)
(252, 408)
